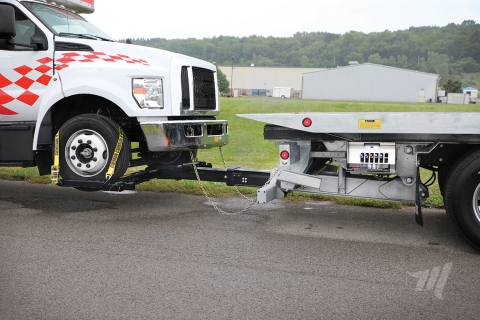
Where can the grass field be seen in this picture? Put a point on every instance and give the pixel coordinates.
(248, 149)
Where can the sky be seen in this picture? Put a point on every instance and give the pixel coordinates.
(182, 19)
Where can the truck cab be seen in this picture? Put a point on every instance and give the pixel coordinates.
(106, 102)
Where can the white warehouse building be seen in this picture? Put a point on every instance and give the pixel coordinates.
(248, 79)
(370, 82)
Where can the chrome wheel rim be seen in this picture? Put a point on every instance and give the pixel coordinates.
(86, 153)
(476, 203)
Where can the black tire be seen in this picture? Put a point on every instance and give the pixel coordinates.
(462, 198)
(443, 174)
(87, 144)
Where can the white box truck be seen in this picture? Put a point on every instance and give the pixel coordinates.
(282, 92)
(472, 94)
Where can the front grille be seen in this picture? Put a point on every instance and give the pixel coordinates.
(185, 89)
(204, 89)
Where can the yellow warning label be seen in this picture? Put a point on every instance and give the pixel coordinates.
(369, 124)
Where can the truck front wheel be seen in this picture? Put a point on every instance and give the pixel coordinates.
(462, 198)
(87, 144)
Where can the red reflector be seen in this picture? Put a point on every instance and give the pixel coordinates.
(307, 122)
(284, 155)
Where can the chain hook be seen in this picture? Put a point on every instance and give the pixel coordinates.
(252, 201)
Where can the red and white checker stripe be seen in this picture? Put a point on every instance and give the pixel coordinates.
(73, 57)
(20, 81)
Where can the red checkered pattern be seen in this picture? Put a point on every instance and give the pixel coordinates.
(73, 57)
(24, 78)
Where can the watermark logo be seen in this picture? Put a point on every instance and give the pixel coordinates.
(433, 279)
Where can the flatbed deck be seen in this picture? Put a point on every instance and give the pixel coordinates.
(376, 122)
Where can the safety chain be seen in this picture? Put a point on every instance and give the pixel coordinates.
(252, 201)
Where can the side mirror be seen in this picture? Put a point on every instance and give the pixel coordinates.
(7, 22)
(38, 42)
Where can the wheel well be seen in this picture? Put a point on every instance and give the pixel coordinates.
(445, 156)
(72, 106)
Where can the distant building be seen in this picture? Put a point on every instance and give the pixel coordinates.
(370, 82)
(261, 80)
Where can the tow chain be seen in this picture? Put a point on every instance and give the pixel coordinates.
(252, 201)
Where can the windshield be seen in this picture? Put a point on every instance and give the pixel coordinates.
(65, 23)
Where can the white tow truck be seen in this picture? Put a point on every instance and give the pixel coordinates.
(59, 73)
(73, 98)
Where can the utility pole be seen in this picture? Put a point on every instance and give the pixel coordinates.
(231, 78)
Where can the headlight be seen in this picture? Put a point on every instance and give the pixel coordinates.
(148, 93)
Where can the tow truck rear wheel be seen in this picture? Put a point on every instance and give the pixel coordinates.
(87, 144)
(462, 197)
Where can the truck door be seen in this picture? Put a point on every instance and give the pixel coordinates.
(25, 71)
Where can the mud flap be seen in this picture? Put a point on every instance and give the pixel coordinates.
(418, 204)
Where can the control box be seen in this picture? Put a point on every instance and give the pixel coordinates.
(371, 157)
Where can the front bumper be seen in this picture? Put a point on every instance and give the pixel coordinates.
(185, 135)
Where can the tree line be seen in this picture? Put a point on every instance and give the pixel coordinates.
(448, 51)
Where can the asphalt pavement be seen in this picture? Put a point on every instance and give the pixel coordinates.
(67, 254)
